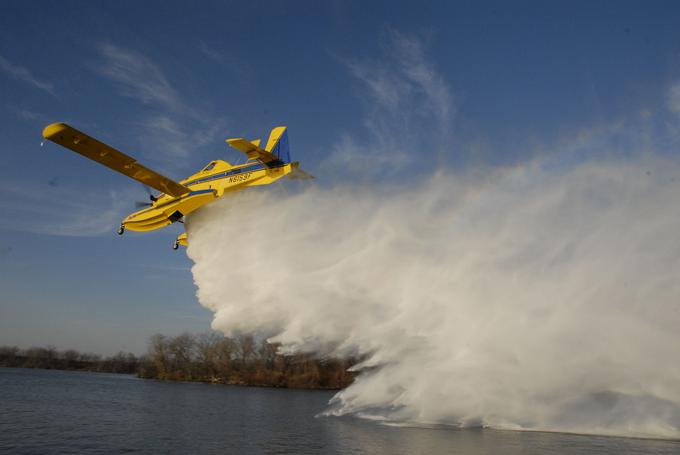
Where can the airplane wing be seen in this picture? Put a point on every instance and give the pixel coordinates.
(79, 142)
(252, 149)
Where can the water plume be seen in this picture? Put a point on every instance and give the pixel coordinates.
(537, 297)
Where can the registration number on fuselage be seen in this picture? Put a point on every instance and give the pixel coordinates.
(239, 178)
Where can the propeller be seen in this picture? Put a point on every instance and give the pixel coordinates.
(140, 204)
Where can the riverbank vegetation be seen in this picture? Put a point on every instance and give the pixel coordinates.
(52, 359)
(209, 357)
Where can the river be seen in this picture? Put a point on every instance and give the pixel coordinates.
(55, 412)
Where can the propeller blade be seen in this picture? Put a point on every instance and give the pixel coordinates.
(147, 188)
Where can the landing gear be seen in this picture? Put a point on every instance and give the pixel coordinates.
(181, 240)
(121, 230)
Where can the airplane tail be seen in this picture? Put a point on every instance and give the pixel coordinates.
(277, 144)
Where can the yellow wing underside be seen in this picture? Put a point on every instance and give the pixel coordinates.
(81, 143)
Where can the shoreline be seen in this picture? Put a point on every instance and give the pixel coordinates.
(179, 381)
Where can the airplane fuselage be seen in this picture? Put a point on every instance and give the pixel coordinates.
(217, 179)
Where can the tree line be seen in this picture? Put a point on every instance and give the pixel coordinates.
(52, 359)
(208, 357)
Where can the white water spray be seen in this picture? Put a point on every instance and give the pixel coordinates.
(533, 298)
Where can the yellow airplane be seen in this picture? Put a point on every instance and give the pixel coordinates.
(178, 199)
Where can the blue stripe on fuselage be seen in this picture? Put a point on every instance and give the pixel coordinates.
(221, 175)
(194, 193)
(251, 168)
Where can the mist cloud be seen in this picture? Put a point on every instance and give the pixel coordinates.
(541, 296)
(532, 298)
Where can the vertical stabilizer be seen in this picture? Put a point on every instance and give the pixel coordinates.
(277, 144)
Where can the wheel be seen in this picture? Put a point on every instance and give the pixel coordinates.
(175, 245)
(121, 230)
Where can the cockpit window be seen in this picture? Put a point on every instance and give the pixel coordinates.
(209, 167)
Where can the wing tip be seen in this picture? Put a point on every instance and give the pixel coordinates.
(54, 129)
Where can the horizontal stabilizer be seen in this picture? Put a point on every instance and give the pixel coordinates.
(251, 149)
(298, 174)
(79, 142)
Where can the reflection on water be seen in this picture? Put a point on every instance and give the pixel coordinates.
(51, 412)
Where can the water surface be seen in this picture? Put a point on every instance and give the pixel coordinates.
(54, 412)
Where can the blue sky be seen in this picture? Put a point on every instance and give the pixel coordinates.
(379, 91)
